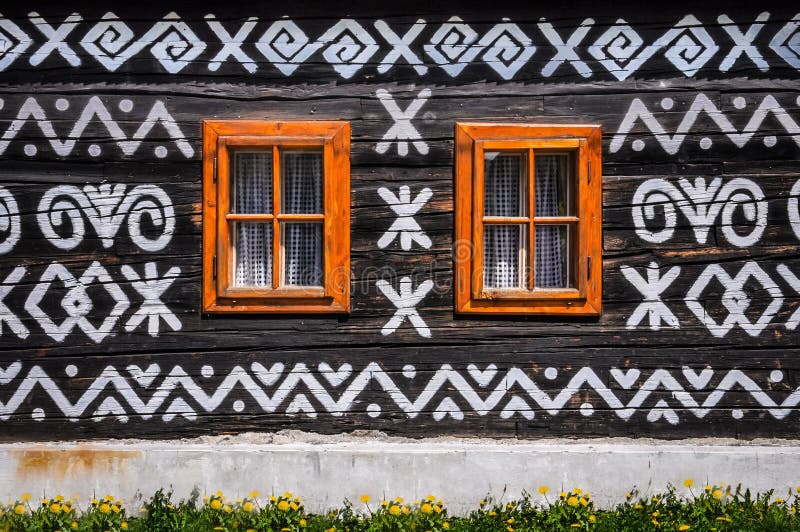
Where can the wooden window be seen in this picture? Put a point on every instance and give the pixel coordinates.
(528, 219)
(276, 216)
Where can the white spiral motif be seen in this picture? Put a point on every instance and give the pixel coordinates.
(9, 221)
(701, 203)
(106, 207)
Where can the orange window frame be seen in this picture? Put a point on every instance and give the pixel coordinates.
(220, 139)
(583, 143)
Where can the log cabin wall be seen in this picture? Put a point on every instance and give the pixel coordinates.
(100, 217)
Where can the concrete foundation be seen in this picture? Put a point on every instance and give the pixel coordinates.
(326, 470)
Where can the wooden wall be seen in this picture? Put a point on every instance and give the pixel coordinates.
(100, 226)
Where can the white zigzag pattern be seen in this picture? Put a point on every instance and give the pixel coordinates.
(31, 110)
(259, 379)
(702, 104)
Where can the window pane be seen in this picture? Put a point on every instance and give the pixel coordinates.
(301, 182)
(251, 183)
(504, 184)
(552, 254)
(552, 185)
(503, 256)
(303, 254)
(252, 254)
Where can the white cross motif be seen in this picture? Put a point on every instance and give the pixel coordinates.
(565, 50)
(406, 302)
(652, 288)
(401, 47)
(152, 288)
(6, 315)
(405, 225)
(744, 42)
(402, 130)
(232, 44)
(55, 39)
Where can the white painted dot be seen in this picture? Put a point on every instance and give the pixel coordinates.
(798, 100)
(95, 150)
(71, 370)
(373, 410)
(37, 414)
(776, 376)
(2, 103)
(207, 372)
(30, 150)
(550, 373)
(638, 145)
(770, 141)
(706, 143)
(161, 152)
(587, 409)
(126, 106)
(667, 103)
(737, 414)
(62, 104)
(238, 406)
(409, 371)
(739, 102)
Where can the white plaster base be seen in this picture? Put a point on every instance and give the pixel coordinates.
(325, 470)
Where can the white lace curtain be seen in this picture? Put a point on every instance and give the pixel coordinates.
(301, 186)
(504, 245)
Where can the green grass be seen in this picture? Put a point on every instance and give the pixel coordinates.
(710, 508)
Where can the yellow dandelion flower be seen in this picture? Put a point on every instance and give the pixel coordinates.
(572, 501)
(288, 494)
(587, 496)
(384, 503)
(707, 487)
(543, 489)
(717, 494)
(482, 503)
(688, 483)
(95, 502)
(254, 494)
(105, 508)
(286, 529)
(227, 509)
(655, 523)
(426, 508)
(492, 513)
(216, 504)
(302, 522)
(74, 525)
(124, 525)
(683, 528)
(446, 525)
(437, 508)
(779, 500)
(562, 494)
(430, 498)
(406, 511)
(398, 500)
(577, 491)
(509, 529)
(45, 502)
(628, 495)
(331, 529)
(218, 494)
(656, 513)
(584, 502)
(19, 509)
(637, 507)
(59, 498)
(248, 506)
(115, 509)
(283, 506)
(273, 498)
(394, 510)
(294, 506)
(592, 518)
(251, 530)
(27, 496)
(365, 499)
(575, 525)
(510, 520)
(55, 508)
(109, 498)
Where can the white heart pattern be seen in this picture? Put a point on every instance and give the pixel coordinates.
(7, 375)
(144, 378)
(483, 378)
(698, 380)
(626, 379)
(335, 378)
(267, 376)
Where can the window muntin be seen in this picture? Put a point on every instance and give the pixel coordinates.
(527, 219)
(276, 216)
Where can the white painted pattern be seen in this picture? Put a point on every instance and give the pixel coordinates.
(348, 47)
(106, 206)
(78, 305)
(155, 394)
(794, 208)
(406, 301)
(10, 223)
(32, 111)
(405, 226)
(402, 131)
(702, 105)
(751, 282)
(702, 202)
